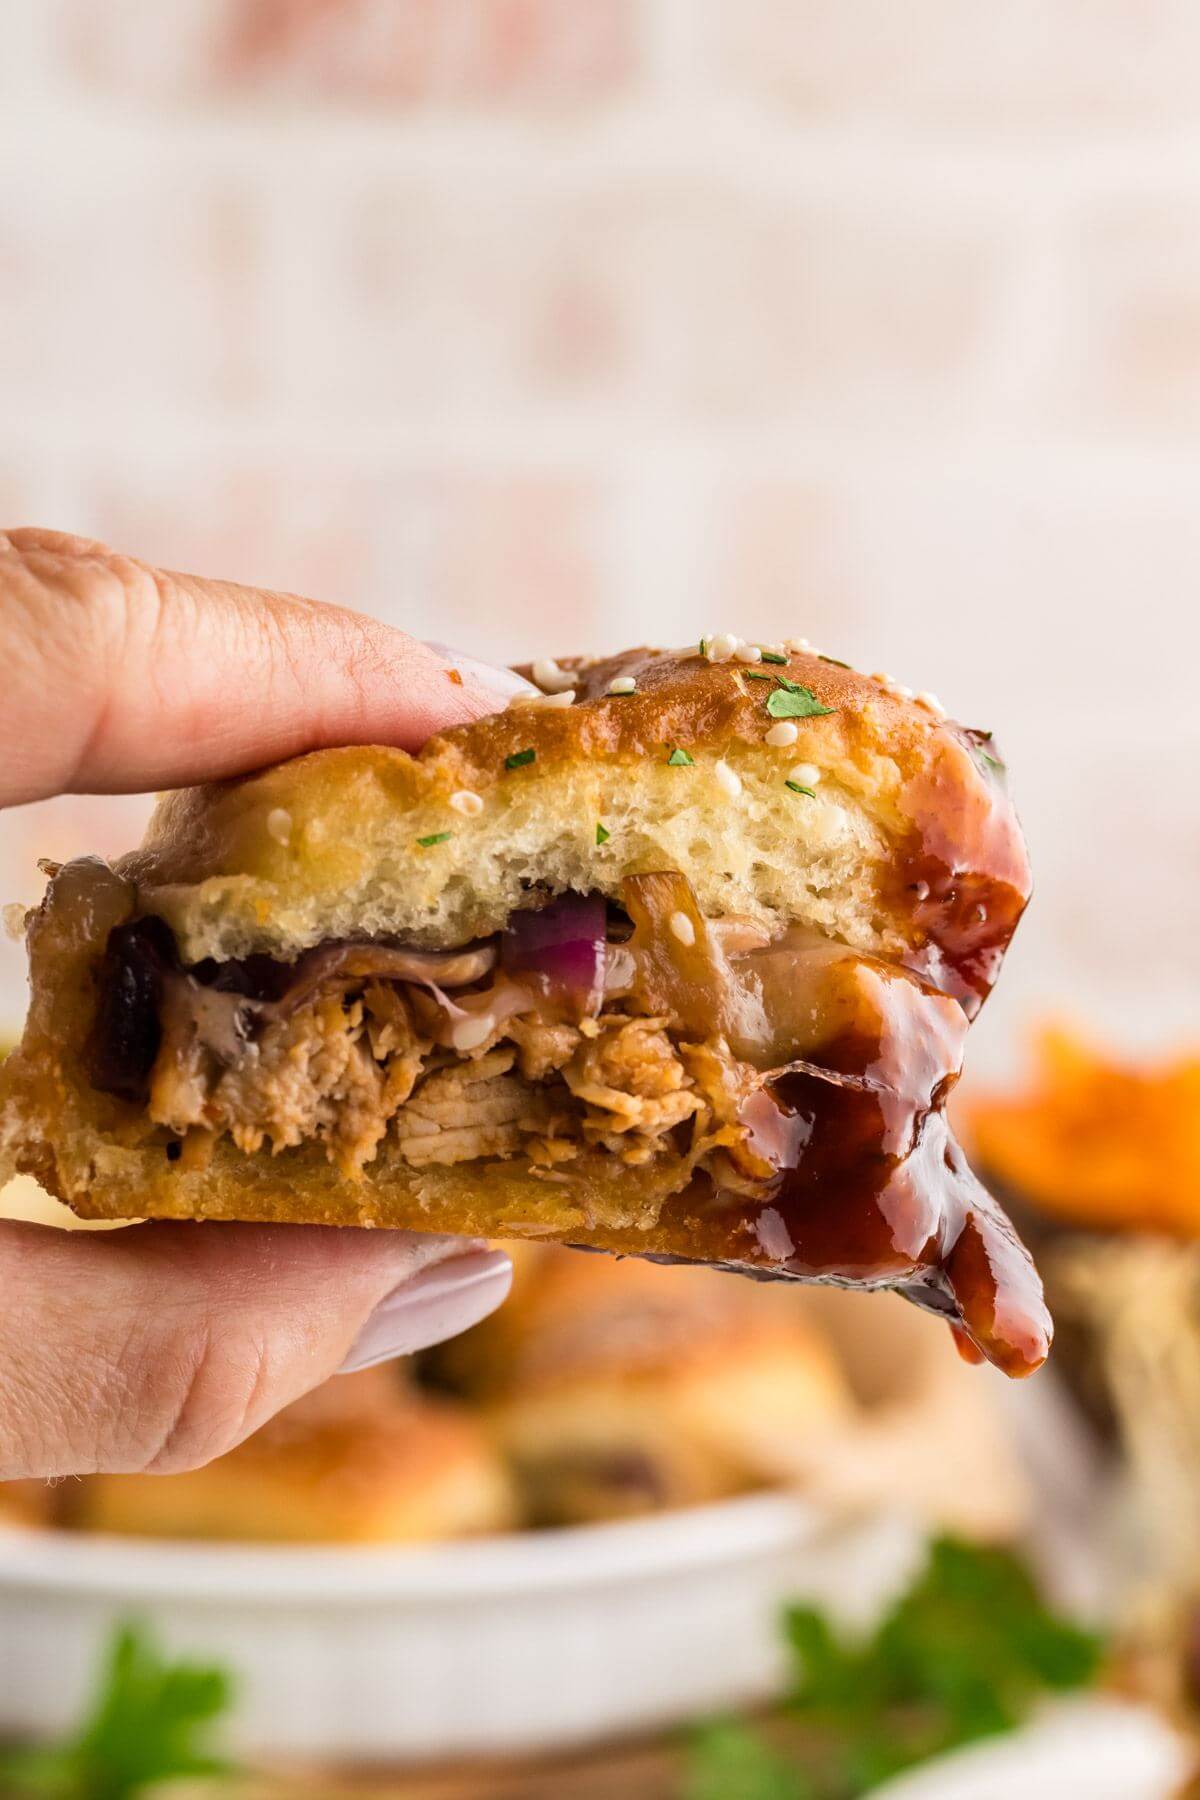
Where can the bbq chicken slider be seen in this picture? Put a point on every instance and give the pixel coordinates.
(677, 961)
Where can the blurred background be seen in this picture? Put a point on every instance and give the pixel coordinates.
(537, 326)
(544, 325)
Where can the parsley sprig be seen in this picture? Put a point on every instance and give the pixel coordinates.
(148, 1723)
(962, 1655)
(732, 1762)
(792, 701)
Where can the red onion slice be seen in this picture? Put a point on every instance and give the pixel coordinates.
(561, 947)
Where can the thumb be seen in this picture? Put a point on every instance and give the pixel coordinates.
(121, 678)
(160, 1347)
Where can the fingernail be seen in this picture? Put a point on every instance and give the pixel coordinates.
(487, 675)
(436, 1304)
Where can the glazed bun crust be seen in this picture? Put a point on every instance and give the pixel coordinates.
(907, 834)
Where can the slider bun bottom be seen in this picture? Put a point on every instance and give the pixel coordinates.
(595, 1201)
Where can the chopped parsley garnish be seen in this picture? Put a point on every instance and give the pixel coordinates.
(150, 1721)
(757, 675)
(435, 837)
(773, 656)
(602, 833)
(837, 662)
(679, 759)
(519, 758)
(968, 1651)
(790, 701)
(732, 1761)
(797, 789)
(704, 646)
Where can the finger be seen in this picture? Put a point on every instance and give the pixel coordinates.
(192, 1336)
(124, 678)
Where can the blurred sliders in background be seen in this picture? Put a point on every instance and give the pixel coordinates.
(549, 325)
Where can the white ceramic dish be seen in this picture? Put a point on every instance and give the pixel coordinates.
(1100, 1748)
(509, 1643)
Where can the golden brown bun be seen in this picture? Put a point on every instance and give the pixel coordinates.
(328, 845)
(617, 1388)
(413, 1472)
(28, 1503)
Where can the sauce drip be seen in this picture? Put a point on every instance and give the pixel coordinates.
(870, 1188)
(878, 1193)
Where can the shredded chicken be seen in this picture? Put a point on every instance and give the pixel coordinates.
(355, 1064)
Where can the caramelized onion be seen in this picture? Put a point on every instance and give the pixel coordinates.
(464, 1023)
(381, 962)
(690, 982)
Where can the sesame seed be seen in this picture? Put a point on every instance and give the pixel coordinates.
(467, 803)
(882, 677)
(805, 775)
(14, 921)
(781, 735)
(539, 702)
(681, 927)
(728, 779)
(550, 678)
(798, 644)
(279, 825)
(932, 704)
(623, 684)
(469, 1033)
(748, 653)
(722, 647)
(901, 692)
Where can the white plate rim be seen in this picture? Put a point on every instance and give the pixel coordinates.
(734, 1531)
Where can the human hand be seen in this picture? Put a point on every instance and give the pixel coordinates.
(161, 1346)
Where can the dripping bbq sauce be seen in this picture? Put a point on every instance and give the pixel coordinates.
(851, 1213)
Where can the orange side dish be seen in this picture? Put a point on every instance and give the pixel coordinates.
(1099, 1142)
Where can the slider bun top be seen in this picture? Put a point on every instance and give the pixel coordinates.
(910, 826)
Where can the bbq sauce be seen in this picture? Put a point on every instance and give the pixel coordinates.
(871, 1187)
(962, 880)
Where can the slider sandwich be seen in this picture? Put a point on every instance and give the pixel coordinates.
(417, 1471)
(676, 960)
(614, 1388)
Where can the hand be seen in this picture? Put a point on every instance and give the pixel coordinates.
(161, 1346)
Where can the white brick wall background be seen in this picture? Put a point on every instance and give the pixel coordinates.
(543, 324)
